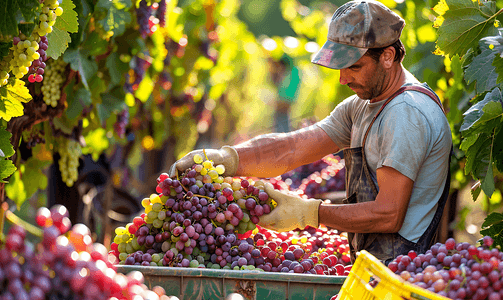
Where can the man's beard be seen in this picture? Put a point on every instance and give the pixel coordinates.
(373, 88)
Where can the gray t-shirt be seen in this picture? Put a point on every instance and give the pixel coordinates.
(411, 135)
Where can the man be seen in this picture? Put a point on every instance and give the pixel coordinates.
(394, 134)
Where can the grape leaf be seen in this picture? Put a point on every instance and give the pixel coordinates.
(111, 102)
(495, 41)
(28, 8)
(96, 44)
(7, 168)
(5, 145)
(68, 21)
(97, 142)
(498, 150)
(26, 28)
(488, 109)
(492, 219)
(8, 23)
(481, 70)
(12, 98)
(79, 61)
(76, 103)
(58, 42)
(487, 183)
(33, 177)
(116, 68)
(478, 157)
(465, 23)
(116, 18)
(4, 49)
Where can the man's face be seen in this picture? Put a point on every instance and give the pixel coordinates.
(365, 77)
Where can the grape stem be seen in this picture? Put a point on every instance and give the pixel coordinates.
(27, 226)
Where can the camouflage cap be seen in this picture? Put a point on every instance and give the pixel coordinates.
(355, 27)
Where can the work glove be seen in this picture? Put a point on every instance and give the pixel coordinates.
(292, 212)
(226, 156)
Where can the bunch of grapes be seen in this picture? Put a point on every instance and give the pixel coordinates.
(455, 270)
(4, 70)
(70, 152)
(51, 88)
(24, 52)
(143, 13)
(135, 75)
(50, 11)
(161, 13)
(203, 220)
(331, 178)
(56, 268)
(121, 122)
(37, 68)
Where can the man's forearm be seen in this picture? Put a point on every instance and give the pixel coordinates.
(359, 217)
(273, 154)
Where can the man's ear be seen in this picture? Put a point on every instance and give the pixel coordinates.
(387, 57)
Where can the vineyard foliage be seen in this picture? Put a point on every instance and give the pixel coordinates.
(159, 74)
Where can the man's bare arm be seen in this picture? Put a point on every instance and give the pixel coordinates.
(385, 214)
(273, 154)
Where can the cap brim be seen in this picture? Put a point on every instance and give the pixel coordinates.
(337, 56)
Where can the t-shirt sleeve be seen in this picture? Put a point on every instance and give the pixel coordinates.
(404, 139)
(338, 124)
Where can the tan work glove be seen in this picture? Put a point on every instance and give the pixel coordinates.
(292, 212)
(226, 156)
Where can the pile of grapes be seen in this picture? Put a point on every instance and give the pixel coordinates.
(455, 270)
(64, 265)
(314, 179)
(203, 220)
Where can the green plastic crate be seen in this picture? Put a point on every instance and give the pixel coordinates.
(209, 284)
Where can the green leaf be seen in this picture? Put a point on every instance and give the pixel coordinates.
(68, 21)
(492, 219)
(488, 109)
(116, 18)
(475, 193)
(7, 168)
(79, 61)
(58, 42)
(495, 41)
(28, 8)
(26, 28)
(111, 102)
(465, 23)
(498, 150)
(95, 44)
(4, 49)
(116, 68)
(5, 145)
(16, 189)
(8, 23)
(77, 102)
(33, 176)
(477, 157)
(481, 70)
(487, 183)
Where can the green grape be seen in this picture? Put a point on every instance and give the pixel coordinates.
(156, 207)
(129, 248)
(122, 247)
(193, 263)
(157, 223)
(134, 243)
(156, 257)
(123, 256)
(152, 215)
(250, 226)
(161, 215)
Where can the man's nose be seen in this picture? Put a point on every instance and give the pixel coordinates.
(344, 78)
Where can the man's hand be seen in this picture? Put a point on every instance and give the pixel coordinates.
(226, 156)
(292, 212)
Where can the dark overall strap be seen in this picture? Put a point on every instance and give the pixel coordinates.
(398, 92)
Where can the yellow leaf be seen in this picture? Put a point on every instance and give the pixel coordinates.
(441, 7)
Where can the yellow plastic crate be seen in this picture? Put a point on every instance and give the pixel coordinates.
(390, 286)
